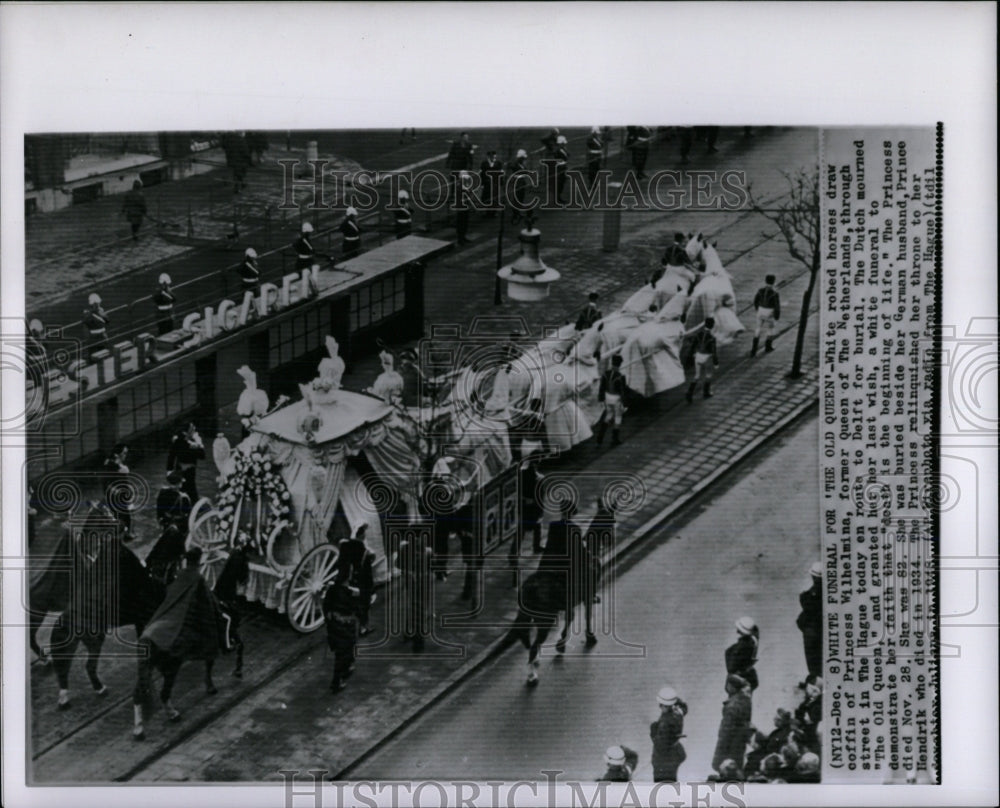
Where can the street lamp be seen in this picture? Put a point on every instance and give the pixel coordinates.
(528, 278)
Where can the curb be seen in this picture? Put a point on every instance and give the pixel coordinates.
(502, 643)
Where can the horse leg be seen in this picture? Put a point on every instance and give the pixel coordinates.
(143, 688)
(522, 628)
(93, 643)
(34, 626)
(238, 642)
(210, 687)
(568, 621)
(65, 643)
(169, 667)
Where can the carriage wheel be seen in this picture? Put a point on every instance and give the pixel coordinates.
(201, 507)
(212, 563)
(315, 572)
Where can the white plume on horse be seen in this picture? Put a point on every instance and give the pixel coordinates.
(713, 296)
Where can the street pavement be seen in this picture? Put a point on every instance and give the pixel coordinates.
(274, 718)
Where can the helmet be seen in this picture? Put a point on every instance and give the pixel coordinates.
(745, 625)
(666, 696)
(165, 278)
(404, 195)
(561, 140)
(614, 756)
(816, 570)
(351, 211)
(94, 299)
(250, 253)
(307, 227)
(521, 153)
(36, 327)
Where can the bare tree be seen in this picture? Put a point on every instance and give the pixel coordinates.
(797, 217)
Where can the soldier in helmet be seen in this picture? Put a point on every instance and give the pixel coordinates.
(351, 231)
(621, 762)
(741, 656)
(595, 153)
(95, 318)
(250, 271)
(666, 733)
(403, 214)
(810, 621)
(517, 182)
(305, 253)
(164, 300)
(557, 165)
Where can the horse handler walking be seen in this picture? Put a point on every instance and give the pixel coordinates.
(340, 611)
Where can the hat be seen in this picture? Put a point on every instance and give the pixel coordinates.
(595, 130)
(666, 696)
(522, 153)
(614, 756)
(94, 298)
(165, 278)
(250, 252)
(745, 625)
(307, 227)
(351, 211)
(592, 296)
(816, 570)
(404, 194)
(561, 140)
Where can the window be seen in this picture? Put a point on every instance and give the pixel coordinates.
(158, 399)
(377, 301)
(297, 336)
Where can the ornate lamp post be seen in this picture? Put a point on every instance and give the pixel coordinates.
(528, 278)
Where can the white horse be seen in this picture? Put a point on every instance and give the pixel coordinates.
(713, 296)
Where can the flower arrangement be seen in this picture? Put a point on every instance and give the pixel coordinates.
(255, 490)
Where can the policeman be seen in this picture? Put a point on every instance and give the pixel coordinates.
(164, 300)
(741, 656)
(351, 231)
(517, 181)
(462, 212)
(621, 762)
(305, 254)
(595, 153)
(810, 621)
(640, 150)
(96, 321)
(611, 394)
(403, 214)
(491, 173)
(590, 314)
(706, 357)
(250, 272)
(666, 733)
(767, 303)
(186, 449)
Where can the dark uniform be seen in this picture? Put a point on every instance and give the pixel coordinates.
(595, 154)
(184, 455)
(810, 623)
(358, 564)
(809, 713)
(587, 317)
(566, 554)
(351, 232)
(704, 354)
(519, 187)
(668, 751)
(403, 215)
(550, 140)
(250, 275)
(164, 301)
(305, 254)
(173, 506)
(741, 657)
(134, 208)
(611, 393)
(340, 612)
(621, 772)
(163, 561)
(491, 173)
(531, 510)
(767, 306)
(562, 164)
(96, 322)
(676, 256)
(640, 150)
(460, 156)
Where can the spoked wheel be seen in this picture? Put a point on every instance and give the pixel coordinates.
(315, 572)
(214, 547)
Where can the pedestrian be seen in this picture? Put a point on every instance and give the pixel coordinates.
(460, 154)
(340, 613)
(517, 181)
(403, 215)
(462, 209)
(810, 621)
(561, 158)
(589, 314)
(595, 153)
(134, 208)
(250, 272)
(741, 656)
(735, 726)
(706, 358)
(809, 713)
(186, 449)
(119, 489)
(234, 144)
(621, 762)
(414, 562)
(173, 506)
(95, 318)
(640, 150)
(491, 174)
(666, 733)
(359, 561)
(784, 726)
(756, 752)
(305, 253)
(611, 394)
(351, 231)
(767, 304)
(164, 300)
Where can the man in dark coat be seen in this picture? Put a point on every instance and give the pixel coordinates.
(340, 611)
(589, 314)
(186, 449)
(134, 208)
(460, 154)
(810, 712)
(173, 506)
(119, 490)
(165, 557)
(640, 150)
(810, 621)
(491, 174)
(305, 253)
(471, 542)
(595, 153)
(517, 183)
(359, 562)
(621, 762)
(237, 151)
(403, 215)
(250, 272)
(666, 733)
(567, 556)
(741, 656)
(351, 231)
(735, 727)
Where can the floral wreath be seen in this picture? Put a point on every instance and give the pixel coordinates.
(254, 477)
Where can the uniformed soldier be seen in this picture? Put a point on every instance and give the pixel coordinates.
(491, 174)
(810, 621)
(560, 164)
(359, 561)
(134, 208)
(250, 271)
(462, 213)
(305, 254)
(340, 613)
(741, 656)
(460, 154)
(595, 153)
(676, 255)
(550, 141)
(118, 489)
(186, 449)
(767, 303)
(666, 733)
(403, 214)
(518, 183)
(640, 150)
(621, 762)
(164, 300)
(96, 321)
(590, 314)
(611, 394)
(173, 506)
(351, 231)
(706, 357)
